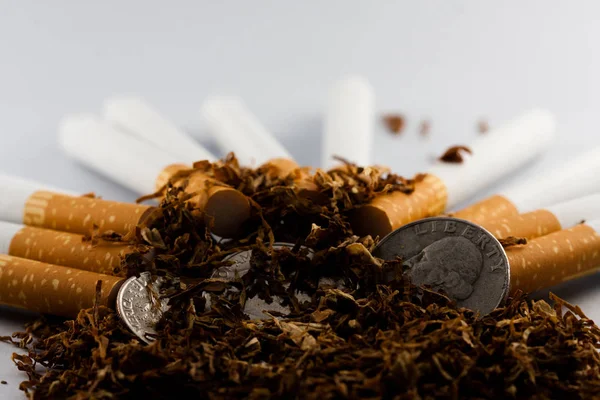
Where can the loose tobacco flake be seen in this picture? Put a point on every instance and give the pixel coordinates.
(394, 122)
(454, 155)
(512, 241)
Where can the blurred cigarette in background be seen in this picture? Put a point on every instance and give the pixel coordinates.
(495, 155)
(137, 117)
(137, 165)
(578, 177)
(349, 123)
(236, 129)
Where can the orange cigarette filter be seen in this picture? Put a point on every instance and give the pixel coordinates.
(283, 167)
(79, 214)
(53, 289)
(490, 209)
(67, 249)
(392, 210)
(226, 208)
(554, 258)
(528, 225)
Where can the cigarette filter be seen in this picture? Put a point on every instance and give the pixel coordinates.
(225, 208)
(349, 122)
(236, 129)
(547, 220)
(577, 178)
(60, 248)
(495, 154)
(136, 116)
(52, 289)
(33, 204)
(555, 258)
(139, 166)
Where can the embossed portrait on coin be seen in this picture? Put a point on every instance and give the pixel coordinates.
(452, 264)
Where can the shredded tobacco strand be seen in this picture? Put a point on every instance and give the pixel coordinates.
(512, 241)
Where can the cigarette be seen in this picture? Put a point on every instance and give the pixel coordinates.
(139, 166)
(546, 220)
(495, 155)
(53, 289)
(137, 117)
(577, 178)
(61, 248)
(34, 204)
(15, 193)
(349, 122)
(224, 208)
(125, 159)
(558, 257)
(235, 128)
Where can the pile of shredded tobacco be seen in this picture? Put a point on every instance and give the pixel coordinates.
(355, 335)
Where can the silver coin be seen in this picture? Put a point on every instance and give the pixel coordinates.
(456, 256)
(255, 307)
(241, 262)
(139, 308)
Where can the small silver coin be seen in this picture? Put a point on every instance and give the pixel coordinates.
(456, 256)
(241, 265)
(241, 262)
(139, 308)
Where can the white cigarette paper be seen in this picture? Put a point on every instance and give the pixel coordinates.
(349, 122)
(136, 116)
(572, 212)
(236, 129)
(15, 192)
(496, 154)
(121, 157)
(577, 178)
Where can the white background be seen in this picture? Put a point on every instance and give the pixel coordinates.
(453, 62)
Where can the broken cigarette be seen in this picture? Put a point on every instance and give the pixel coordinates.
(236, 129)
(349, 122)
(447, 185)
(546, 220)
(577, 178)
(33, 204)
(61, 248)
(52, 289)
(138, 165)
